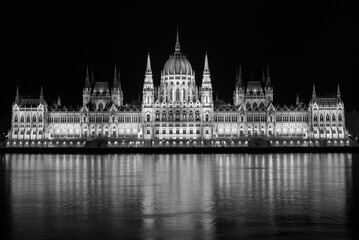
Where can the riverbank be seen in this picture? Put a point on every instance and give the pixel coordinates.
(169, 150)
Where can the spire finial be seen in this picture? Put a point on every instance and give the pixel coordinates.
(119, 79)
(92, 77)
(17, 95)
(41, 95)
(263, 77)
(115, 77)
(58, 101)
(148, 66)
(236, 78)
(338, 92)
(87, 81)
(268, 82)
(314, 94)
(240, 82)
(177, 46)
(297, 102)
(206, 67)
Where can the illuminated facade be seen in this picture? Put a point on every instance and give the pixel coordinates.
(178, 113)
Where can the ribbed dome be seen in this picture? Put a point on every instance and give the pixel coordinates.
(177, 64)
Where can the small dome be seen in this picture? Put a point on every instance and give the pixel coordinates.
(177, 64)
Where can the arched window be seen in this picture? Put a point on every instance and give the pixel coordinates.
(100, 106)
(333, 118)
(84, 119)
(28, 118)
(207, 118)
(242, 118)
(261, 105)
(184, 95)
(148, 117)
(113, 118)
(163, 114)
(315, 118)
(34, 118)
(40, 118)
(327, 118)
(340, 117)
(248, 105)
(16, 118)
(271, 118)
(254, 105)
(22, 119)
(321, 117)
(177, 95)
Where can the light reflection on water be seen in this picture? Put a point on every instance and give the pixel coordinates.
(217, 196)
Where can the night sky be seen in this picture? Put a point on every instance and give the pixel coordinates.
(50, 43)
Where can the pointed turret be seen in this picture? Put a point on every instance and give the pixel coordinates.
(92, 82)
(41, 95)
(148, 88)
(206, 67)
(58, 101)
(17, 95)
(268, 82)
(297, 101)
(115, 82)
(148, 65)
(178, 45)
(263, 78)
(119, 80)
(338, 92)
(206, 88)
(87, 81)
(314, 94)
(240, 81)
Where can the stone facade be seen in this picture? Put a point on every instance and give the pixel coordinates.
(178, 113)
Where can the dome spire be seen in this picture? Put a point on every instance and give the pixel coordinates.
(177, 46)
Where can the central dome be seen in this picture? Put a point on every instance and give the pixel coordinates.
(177, 63)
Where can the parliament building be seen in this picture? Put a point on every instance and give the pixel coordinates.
(178, 112)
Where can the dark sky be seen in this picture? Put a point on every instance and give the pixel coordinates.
(51, 42)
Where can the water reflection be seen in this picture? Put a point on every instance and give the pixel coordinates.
(179, 196)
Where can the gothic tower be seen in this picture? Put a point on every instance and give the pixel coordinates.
(238, 95)
(148, 97)
(87, 89)
(206, 88)
(268, 89)
(116, 91)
